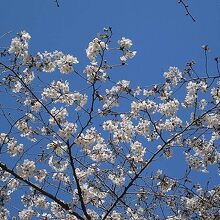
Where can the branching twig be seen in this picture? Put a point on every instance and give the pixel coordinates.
(80, 192)
(57, 3)
(5, 34)
(217, 66)
(40, 190)
(151, 159)
(186, 9)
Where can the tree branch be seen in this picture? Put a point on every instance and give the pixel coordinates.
(80, 193)
(57, 3)
(152, 158)
(59, 202)
(186, 7)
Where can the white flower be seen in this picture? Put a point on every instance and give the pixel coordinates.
(100, 152)
(202, 104)
(65, 63)
(123, 59)
(111, 98)
(117, 178)
(41, 175)
(56, 90)
(149, 105)
(27, 169)
(59, 92)
(57, 210)
(28, 76)
(17, 87)
(26, 130)
(87, 139)
(92, 194)
(48, 61)
(25, 36)
(94, 72)
(165, 183)
(33, 103)
(215, 92)
(192, 88)
(110, 125)
(40, 201)
(35, 106)
(137, 152)
(57, 146)
(19, 45)
(67, 130)
(137, 214)
(115, 216)
(125, 43)
(3, 138)
(94, 49)
(212, 120)
(27, 214)
(4, 175)
(83, 174)
(125, 132)
(13, 148)
(173, 76)
(143, 127)
(169, 108)
(61, 177)
(93, 214)
(80, 99)
(58, 115)
(57, 165)
(190, 203)
(93, 144)
(13, 184)
(4, 213)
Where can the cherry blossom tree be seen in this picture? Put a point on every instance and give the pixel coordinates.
(96, 153)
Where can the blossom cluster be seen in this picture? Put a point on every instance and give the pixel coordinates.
(125, 45)
(19, 45)
(59, 92)
(93, 145)
(94, 148)
(46, 61)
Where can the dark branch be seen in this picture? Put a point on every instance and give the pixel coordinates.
(186, 7)
(29, 183)
(151, 159)
(57, 3)
(80, 193)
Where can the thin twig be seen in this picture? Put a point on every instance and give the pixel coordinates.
(217, 61)
(151, 159)
(206, 63)
(57, 3)
(186, 9)
(49, 195)
(5, 34)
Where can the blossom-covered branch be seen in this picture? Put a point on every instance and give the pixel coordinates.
(97, 152)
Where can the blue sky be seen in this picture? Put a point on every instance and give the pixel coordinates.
(161, 33)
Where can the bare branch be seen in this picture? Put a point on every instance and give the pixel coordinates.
(57, 3)
(186, 7)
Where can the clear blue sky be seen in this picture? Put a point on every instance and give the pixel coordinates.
(162, 35)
